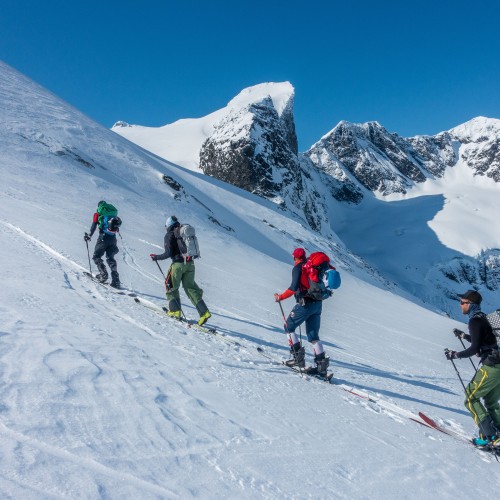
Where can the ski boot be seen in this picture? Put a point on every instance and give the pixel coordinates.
(102, 277)
(321, 368)
(485, 441)
(203, 311)
(488, 433)
(115, 280)
(298, 354)
(174, 314)
(204, 318)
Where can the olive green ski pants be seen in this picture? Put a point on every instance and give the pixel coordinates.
(486, 386)
(182, 274)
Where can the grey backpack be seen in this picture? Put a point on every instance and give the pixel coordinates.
(494, 320)
(187, 241)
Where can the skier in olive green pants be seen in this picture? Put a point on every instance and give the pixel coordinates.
(181, 272)
(486, 386)
(486, 382)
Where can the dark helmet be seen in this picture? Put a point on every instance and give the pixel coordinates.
(472, 296)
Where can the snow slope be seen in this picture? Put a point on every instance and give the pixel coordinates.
(103, 398)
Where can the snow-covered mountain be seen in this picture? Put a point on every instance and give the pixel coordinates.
(356, 182)
(103, 398)
(251, 144)
(426, 214)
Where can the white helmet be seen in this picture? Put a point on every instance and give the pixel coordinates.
(171, 221)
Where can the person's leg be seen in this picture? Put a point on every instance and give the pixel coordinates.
(296, 317)
(174, 282)
(492, 397)
(100, 248)
(313, 324)
(111, 251)
(478, 388)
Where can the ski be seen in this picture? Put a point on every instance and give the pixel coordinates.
(432, 423)
(191, 323)
(327, 379)
(491, 448)
(187, 323)
(383, 404)
(118, 290)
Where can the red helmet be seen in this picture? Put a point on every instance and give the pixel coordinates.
(299, 253)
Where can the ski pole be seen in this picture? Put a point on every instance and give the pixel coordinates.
(465, 391)
(288, 334)
(286, 324)
(88, 253)
(161, 271)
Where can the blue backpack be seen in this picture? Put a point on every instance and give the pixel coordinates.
(334, 280)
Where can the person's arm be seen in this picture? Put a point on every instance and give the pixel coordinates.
(294, 286)
(475, 340)
(168, 243)
(93, 227)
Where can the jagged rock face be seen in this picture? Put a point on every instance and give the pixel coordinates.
(370, 156)
(462, 273)
(246, 148)
(435, 153)
(340, 186)
(255, 148)
(484, 160)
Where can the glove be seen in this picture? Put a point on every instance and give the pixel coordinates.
(450, 354)
(153, 256)
(86, 237)
(458, 333)
(277, 297)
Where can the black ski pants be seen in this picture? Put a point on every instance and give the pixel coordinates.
(106, 244)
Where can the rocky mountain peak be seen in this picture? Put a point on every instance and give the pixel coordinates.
(254, 147)
(480, 150)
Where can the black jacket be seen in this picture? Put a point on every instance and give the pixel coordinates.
(481, 337)
(171, 246)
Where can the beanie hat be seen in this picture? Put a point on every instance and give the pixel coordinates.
(472, 296)
(299, 253)
(171, 221)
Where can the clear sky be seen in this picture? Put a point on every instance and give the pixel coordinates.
(416, 67)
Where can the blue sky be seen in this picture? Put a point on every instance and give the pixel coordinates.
(416, 67)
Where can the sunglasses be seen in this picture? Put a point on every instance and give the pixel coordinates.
(463, 302)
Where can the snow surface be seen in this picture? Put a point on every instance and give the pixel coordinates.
(103, 398)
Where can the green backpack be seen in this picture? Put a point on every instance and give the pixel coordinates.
(108, 220)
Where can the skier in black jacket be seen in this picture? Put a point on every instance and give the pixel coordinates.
(486, 383)
(182, 271)
(106, 244)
